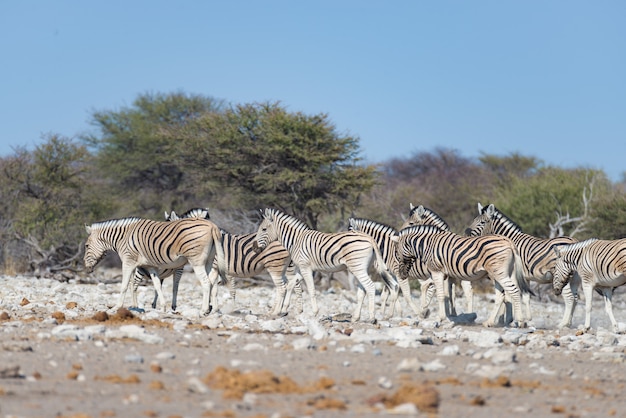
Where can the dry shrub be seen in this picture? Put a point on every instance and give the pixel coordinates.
(235, 383)
(424, 396)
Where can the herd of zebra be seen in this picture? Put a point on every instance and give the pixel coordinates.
(423, 249)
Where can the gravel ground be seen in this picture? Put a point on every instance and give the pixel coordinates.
(64, 355)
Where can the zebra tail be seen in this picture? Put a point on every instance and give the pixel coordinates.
(522, 282)
(390, 280)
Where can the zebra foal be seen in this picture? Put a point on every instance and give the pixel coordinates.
(154, 246)
(326, 252)
(601, 265)
(465, 258)
(538, 259)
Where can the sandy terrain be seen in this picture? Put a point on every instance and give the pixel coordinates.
(63, 356)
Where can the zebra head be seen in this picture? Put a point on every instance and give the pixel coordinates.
(562, 271)
(95, 248)
(483, 223)
(405, 252)
(419, 215)
(267, 230)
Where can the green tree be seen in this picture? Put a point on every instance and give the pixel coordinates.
(267, 156)
(49, 198)
(133, 153)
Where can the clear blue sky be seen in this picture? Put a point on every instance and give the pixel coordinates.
(542, 78)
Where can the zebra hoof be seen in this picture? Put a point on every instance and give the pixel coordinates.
(137, 309)
(283, 314)
(374, 321)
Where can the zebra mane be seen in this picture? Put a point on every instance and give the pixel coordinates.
(202, 213)
(377, 226)
(420, 229)
(433, 217)
(115, 222)
(576, 246)
(503, 219)
(288, 219)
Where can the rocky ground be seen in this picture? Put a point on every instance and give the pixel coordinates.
(62, 355)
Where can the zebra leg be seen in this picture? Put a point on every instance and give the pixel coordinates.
(156, 281)
(405, 287)
(468, 293)
(369, 287)
(127, 273)
(280, 289)
(307, 275)
(384, 296)
(607, 292)
(428, 291)
(203, 278)
(499, 300)
(295, 283)
(360, 296)
(438, 280)
(451, 296)
(570, 304)
(178, 274)
(588, 292)
(512, 291)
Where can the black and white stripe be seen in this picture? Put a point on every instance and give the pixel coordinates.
(465, 258)
(156, 246)
(420, 215)
(601, 265)
(313, 250)
(536, 253)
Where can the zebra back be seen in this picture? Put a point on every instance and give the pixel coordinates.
(421, 215)
(536, 253)
(455, 255)
(160, 244)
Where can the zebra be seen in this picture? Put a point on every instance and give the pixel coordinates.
(242, 260)
(156, 245)
(420, 215)
(384, 236)
(142, 273)
(466, 258)
(536, 253)
(327, 252)
(601, 264)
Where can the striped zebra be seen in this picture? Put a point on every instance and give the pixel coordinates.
(420, 215)
(327, 252)
(465, 258)
(142, 273)
(383, 235)
(154, 246)
(536, 253)
(242, 260)
(601, 265)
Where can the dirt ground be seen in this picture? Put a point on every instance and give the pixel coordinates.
(234, 370)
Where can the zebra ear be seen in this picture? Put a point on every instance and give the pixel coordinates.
(267, 214)
(491, 210)
(167, 217)
(480, 209)
(88, 228)
(421, 210)
(411, 206)
(351, 225)
(556, 250)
